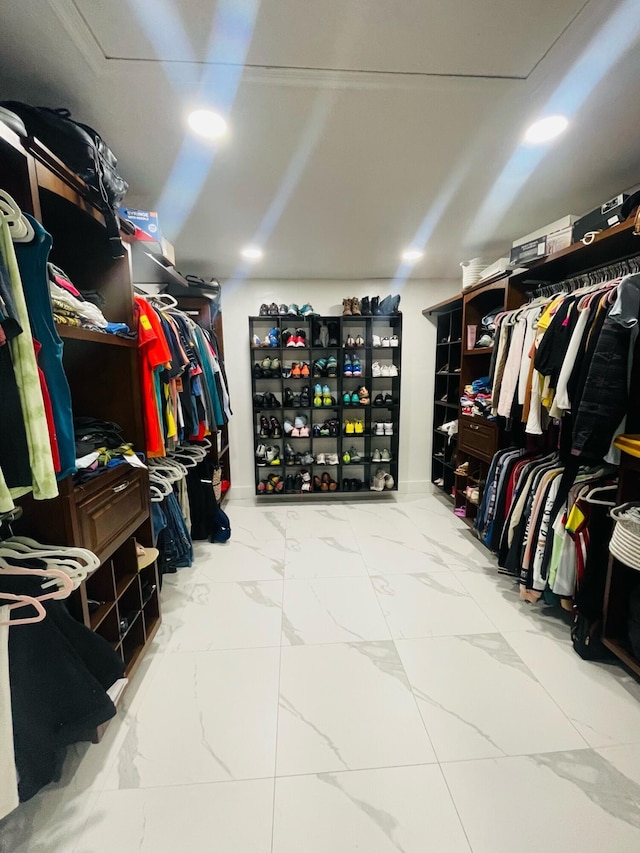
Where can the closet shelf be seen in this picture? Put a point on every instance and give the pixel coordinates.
(124, 584)
(478, 351)
(99, 615)
(78, 333)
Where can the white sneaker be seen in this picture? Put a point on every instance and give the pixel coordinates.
(377, 482)
(388, 428)
(261, 455)
(376, 456)
(386, 342)
(389, 482)
(385, 371)
(320, 459)
(332, 459)
(375, 341)
(385, 456)
(379, 428)
(394, 342)
(393, 370)
(375, 370)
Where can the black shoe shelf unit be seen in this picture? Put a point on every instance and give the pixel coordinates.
(337, 330)
(447, 317)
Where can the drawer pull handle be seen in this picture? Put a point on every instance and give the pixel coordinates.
(473, 426)
(121, 487)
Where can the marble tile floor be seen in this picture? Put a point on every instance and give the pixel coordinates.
(352, 677)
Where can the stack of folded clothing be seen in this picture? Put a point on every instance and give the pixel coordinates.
(70, 308)
(476, 399)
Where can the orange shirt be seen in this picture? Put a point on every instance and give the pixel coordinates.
(154, 353)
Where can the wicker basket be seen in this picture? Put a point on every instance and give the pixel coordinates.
(625, 541)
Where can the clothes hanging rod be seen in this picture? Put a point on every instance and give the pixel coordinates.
(594, 275)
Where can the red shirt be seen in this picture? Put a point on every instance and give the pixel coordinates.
(154, 352)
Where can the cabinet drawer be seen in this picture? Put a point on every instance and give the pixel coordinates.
(478, 437)
(107, 517)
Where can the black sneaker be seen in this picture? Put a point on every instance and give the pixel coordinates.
(297, 483)
(264, 310)
(273, 310)
(365, 307)
(289, 485)
(346, 485)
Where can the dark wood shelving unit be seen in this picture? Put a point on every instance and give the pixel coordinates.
(447, 316)
(365, 442)
(109, 513)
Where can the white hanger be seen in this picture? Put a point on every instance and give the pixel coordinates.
(66, 584)
(163, 300)
(598, 490)
(19, 226)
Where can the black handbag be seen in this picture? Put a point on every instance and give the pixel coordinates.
(85, 152)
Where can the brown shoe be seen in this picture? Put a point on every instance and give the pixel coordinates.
(346, 308)
(355, 306)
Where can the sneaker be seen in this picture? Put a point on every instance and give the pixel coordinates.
(377, 482)
(300, 421)
(385, 455)
(317, 396)
(348, 367)
(350, 342)
(332, 459)
(289, 455)
(376, 341)
(333, 334)
(346, 485)
(307, 458)
(287, 426)
(265, 428)
(293, 310)
(365, 307)
(272, 455)
(359, 427)
(276, 429)
(346, 399)
(261, 455)
(346, 457)
(359, 342)
(320, 459)
(385, 371)
(386, 342)
(289, 485)
(376, 370)
(389, 482)
(273, 310)
(349, 428)
(301, 338)
(393, 341)
(324, 335)
(378, 428)
(377, 457)
(355, 456)
(305, 431)
(274, 337)
(304, 370)
(332, 367)
(256, 341)
(388, 400)
(307, 310)
(264, 310)
(325, 430)
(388, 428)
(356, 367)
(355, 398)
(319, 368)
(378, 400)
(283, 310)
(393, 371)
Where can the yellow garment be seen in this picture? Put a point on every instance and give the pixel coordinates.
(547, 315)
(628, 444)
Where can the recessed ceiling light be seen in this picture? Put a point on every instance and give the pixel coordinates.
(546, 129)
(410, 255)
(251, 253)
(207, 123)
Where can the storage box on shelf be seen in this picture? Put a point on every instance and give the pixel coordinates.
(376, 351)
(107, 513)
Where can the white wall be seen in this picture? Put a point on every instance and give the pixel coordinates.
(239, 300)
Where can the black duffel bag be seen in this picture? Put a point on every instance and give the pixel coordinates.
(85, 152)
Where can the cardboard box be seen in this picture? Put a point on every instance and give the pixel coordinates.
(525, 253)
(558, 225)
(559, 240)
(146, 223)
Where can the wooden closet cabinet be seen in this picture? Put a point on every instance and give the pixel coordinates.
(111, 512)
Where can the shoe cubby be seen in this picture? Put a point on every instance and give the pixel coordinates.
(447, 318)
(331, 347)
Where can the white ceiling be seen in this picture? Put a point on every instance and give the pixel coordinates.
(354, 124)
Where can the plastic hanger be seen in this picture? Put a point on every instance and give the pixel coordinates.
(589, 497)
(19, 226)
(66, 586)
(23, 601)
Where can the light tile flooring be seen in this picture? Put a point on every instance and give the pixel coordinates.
(352, 677)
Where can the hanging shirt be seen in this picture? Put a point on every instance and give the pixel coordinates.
(43, 479)
(154, 355)
(32, 261)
